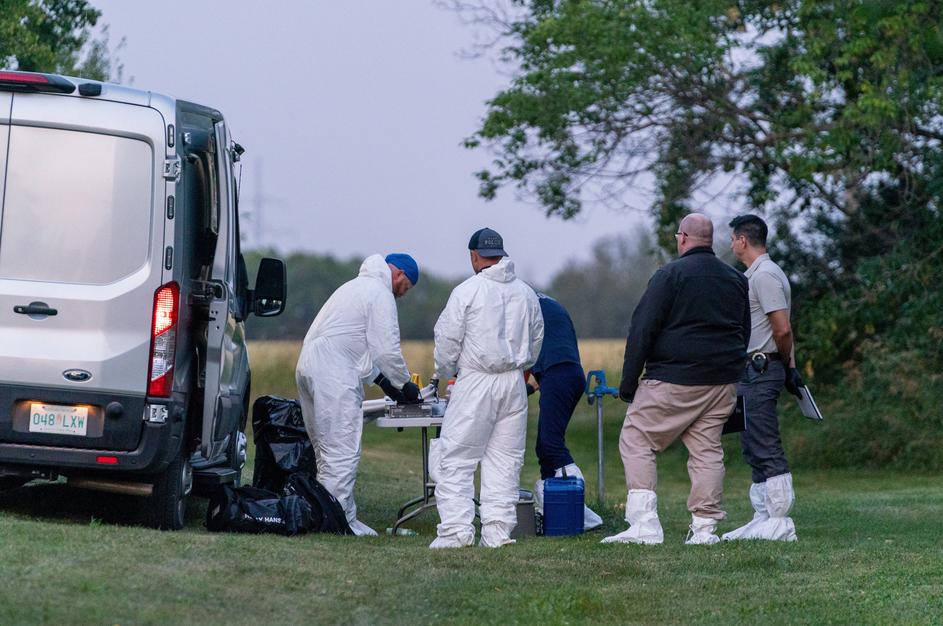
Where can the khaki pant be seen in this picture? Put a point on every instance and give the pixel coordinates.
(661, 413)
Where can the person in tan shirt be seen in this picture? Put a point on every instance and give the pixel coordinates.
(772, 365)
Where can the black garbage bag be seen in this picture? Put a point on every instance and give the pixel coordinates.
(327, 515)
(282, 446)
(252, 510)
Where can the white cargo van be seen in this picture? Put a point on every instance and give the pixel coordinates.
(123, 363)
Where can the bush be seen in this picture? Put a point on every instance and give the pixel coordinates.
(875, 353)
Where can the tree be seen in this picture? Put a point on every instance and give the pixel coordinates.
(602, 292)
(55, 36)
(828, 114)
(824, 115)
(312, 278)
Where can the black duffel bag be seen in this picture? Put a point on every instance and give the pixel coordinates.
(282, 446)
(327, 515)
(252, 510)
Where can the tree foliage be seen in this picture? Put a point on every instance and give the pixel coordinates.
(602, 292)
(879, 343)
(312, 278)
(56, 36)
(599, 292)
(827, 112)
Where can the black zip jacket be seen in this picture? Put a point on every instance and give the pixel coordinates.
(692, 325)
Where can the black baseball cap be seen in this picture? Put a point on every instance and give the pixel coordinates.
(487, 243)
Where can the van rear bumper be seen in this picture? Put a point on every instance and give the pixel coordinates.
(158, 445)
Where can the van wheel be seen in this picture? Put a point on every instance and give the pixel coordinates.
(166, 507)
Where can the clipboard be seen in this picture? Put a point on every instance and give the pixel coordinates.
(737, 421)
(807, 404)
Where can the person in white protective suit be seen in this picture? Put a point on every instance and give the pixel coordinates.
(353, 340)
(489, 333)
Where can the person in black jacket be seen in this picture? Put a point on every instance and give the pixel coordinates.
(687, 343)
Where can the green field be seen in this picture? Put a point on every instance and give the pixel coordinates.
(870, 551)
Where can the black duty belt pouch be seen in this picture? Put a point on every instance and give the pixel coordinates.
(759, 362)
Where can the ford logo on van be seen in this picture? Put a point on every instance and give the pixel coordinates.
(77, 376)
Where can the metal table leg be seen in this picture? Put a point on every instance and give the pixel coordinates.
(427, 499)
(409, 504)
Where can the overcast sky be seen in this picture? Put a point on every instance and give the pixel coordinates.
(352, 114)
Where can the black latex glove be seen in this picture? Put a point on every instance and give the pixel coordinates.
(411, 393)
(793, 381)
(531, 390)
(388, 388)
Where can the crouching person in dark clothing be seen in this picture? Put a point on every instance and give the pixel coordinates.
(559, 377)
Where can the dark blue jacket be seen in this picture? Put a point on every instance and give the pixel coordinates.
(559, 337)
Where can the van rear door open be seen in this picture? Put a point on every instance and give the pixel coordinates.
(81, 244)
(222, 408)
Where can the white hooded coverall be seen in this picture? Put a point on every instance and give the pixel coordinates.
(490, 331)
(354, 337)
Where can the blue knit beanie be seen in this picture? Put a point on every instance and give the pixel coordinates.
(405, 263)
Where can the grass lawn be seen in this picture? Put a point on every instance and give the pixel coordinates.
(870, 551)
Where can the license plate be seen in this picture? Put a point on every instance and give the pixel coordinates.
(58, 419)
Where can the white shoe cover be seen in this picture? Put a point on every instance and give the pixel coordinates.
(495, 535)
(641, 512)
(702, 531)
(450, 541)
(778, 500)
(591, 519)
(758, 500)
(775, 529)
(362, 530)
(571, 471)
(539, 497)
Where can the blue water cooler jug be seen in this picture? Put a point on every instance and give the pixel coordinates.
(563, 506)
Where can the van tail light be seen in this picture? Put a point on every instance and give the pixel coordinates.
(163, 340)
(30, 81)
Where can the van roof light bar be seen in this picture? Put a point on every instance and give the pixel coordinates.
(30, 81)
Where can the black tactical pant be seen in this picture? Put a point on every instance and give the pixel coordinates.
(761, 443)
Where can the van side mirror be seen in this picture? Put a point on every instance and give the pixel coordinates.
(268, 297)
